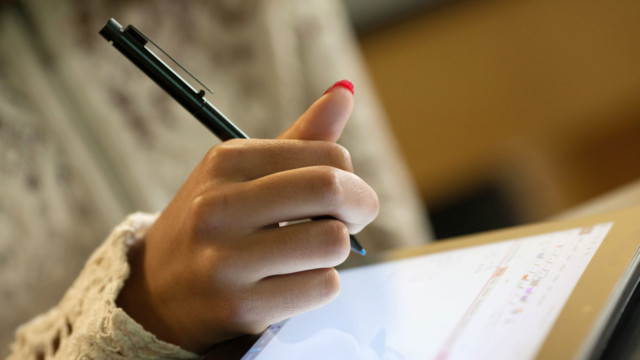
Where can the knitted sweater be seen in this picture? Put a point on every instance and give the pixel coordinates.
(87, 324)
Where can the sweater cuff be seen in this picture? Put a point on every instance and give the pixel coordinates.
(87, 321)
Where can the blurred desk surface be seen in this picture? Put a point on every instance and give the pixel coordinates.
(625, 196)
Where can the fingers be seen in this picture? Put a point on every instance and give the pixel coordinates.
(289, 295)
(313, 192)
(242, 160)
(279, 297)
(290, 249)
(277, 273)
(326, 118)
(291, 195)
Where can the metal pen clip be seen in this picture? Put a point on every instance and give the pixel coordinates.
(113, 29)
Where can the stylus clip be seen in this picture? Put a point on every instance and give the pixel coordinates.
(139, 35)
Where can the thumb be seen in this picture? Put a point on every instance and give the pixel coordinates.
(325, 119)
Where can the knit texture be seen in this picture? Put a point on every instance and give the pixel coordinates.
(87, 324)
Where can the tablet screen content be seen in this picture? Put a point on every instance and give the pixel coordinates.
(497, 300)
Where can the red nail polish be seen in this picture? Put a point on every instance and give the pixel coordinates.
(342, 83)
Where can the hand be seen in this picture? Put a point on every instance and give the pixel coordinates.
(216, 264)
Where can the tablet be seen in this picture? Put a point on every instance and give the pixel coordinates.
(540, 291)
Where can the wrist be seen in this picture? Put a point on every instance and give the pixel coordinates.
(135, 297)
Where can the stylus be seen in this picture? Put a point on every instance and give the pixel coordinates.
(131, 43)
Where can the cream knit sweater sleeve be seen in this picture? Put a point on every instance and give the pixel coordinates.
(87, 323)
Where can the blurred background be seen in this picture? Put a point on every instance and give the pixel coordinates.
(507, 111)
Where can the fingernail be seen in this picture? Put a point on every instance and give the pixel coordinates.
(342, 83)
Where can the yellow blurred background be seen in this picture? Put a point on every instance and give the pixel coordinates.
(523, 108)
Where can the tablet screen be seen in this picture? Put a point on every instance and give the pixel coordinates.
(496, 301)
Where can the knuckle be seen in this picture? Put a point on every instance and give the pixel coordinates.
(222, 156)
(238, 312)
(199, 206)
(337, 244)
(339, 156)
(375, 204)
(370, 204)
(329, 284)
(207, 211)
(214, 159)
(197, 213)
(235, 312)
(330, 189)
(242, 315)
(216, 263)
(214, 153)
(233, 305)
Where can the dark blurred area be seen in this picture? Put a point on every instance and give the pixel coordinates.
(507, 112)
